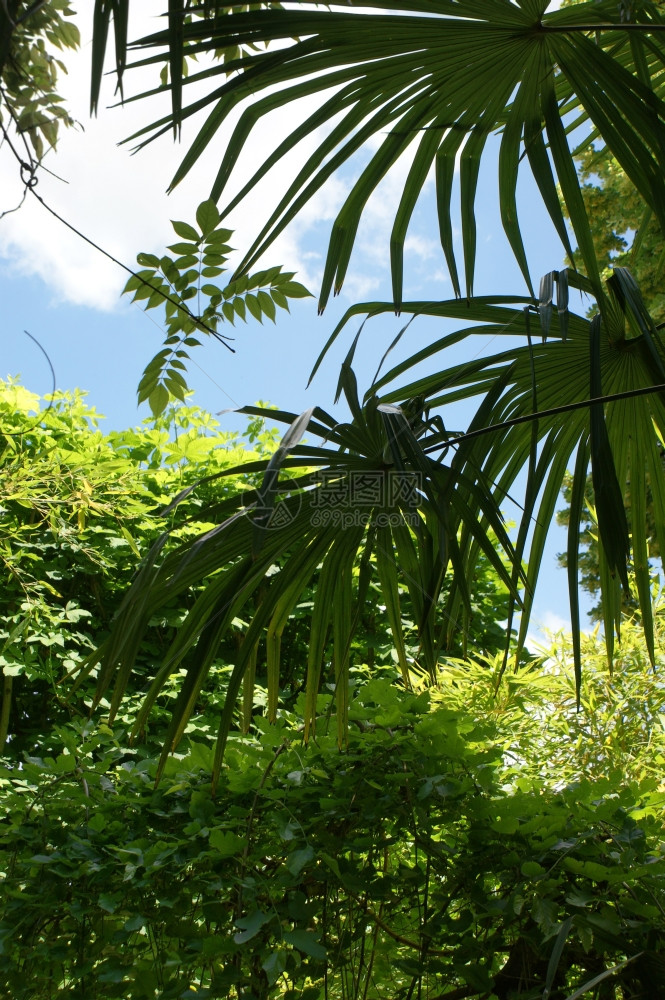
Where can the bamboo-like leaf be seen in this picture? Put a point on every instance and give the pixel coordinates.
(612, 524)
(341, 627)
(570, 188)
(414, 183)
(176, 16)
(562, 301)
(601, 977)
(321, 616)
(555, 957)
(389, 577)
(509, 164)
(545, 296)
(267, 493)
(638, 512)
(248, 687)
(103, 12)
(577, 500)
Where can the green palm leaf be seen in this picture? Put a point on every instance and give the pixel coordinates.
(624, 353)
(437, 77)
(404, 519)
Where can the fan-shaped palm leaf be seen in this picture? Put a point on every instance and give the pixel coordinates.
(437, 77)
(398, 517)
(623, 355)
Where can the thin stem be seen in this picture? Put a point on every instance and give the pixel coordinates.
(552, 412)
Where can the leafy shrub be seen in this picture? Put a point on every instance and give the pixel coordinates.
(463, 845)
(78, 508)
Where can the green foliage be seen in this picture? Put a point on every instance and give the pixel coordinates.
(348, 520)
(182, 282)
(29, 71)
(438, 79)
(624, 229)
(81, 508)
(457, 847)
(78, 509)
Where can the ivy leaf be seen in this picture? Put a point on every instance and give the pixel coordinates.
(184, 248)
(297, 860)
(267, 305)
(294, 290)
(220, 236)
(225, 843)
(252, 304)
(274, 966)
(250, 925)
(187, 260)
(174, 389)
(306, 941)
(279, 299)
(148, 259)
(169, 269)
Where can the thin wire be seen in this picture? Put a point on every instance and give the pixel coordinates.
(30, 180)
(553, 411)
(50, 405)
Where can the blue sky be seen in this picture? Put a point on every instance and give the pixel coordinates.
(67, 295)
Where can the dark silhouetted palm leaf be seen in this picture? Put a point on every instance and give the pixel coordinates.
(350, 514)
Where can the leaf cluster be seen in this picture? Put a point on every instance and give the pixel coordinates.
(29, 70)
(78, 509)
(194, 304)
(337, 518)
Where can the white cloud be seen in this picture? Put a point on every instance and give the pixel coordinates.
(544, 629)
(359, 287)
(421, 246)
(551, 622)
(118, 199)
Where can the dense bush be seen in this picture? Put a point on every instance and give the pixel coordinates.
(471, 839)
(462, 845)
(78, 508)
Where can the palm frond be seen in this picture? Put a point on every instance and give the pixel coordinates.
(623, 354)
(442, 77)
(398, 519)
